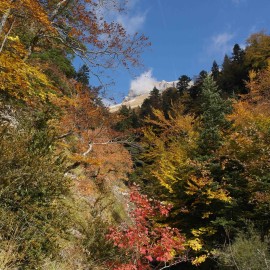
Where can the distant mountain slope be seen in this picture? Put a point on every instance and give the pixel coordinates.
(134, 100)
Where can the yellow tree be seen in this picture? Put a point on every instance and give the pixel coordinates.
(257, 51)
(187, 182)
(248, 144)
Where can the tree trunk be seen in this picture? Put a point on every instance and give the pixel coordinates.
(5, 17)
(4, 20)
(6, 36)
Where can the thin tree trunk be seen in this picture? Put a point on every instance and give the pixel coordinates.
(6, 36)
(4, 20)
(39, 33)
(58, 6)
(5, 17)
(32, 45)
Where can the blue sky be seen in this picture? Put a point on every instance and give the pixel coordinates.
(187, 35)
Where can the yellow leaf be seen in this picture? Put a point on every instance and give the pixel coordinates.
(199, 260)
(195, 244)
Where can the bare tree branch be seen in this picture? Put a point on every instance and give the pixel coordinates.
(6, 36)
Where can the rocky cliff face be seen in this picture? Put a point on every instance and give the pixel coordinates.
(134, 100)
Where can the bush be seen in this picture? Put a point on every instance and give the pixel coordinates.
(247, 252)
(32, 186)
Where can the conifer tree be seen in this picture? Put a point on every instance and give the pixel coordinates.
(234, 73)
(226, 63)
(153, 102)
(82, 75)
(183, 83)
(215, 71)
(155, 98)
(238, 54)
(196, 89)
(213, 118)
(170, 97)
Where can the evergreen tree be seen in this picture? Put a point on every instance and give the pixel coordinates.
(135, 120)
(239, 69)
(125, 122)
(226, 78)
(202, 75)
(234, 73)
(154, 101)
(215, 71)
(213, 117)
(238, 54)
(155, 98)
(145, 108)
(226, 62)
(169, 97)
(129, 119)
(196, 89)
(183, 83)
(82, 75)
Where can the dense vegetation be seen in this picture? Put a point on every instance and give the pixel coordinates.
(180, 183)
(206, 152)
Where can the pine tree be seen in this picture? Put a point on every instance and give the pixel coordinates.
(196, 89)
(183, 83)
(234, 73)
(170, 97)
(215, 71)
(82, 75)
(226, 79)
(213, 118)
(155, 98)
(238, 54)
(154, 101)
(128, 119)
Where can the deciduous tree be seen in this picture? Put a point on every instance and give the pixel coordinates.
(146, 242)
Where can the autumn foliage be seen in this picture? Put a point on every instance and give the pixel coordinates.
(200, 153)
(208, 153)
(59, 150)
(143, 240)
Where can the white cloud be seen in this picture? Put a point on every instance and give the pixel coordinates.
(221, 44)
(132, 24)
(132, 18)
(143, 84)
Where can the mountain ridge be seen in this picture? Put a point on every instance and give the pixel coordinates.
(134, 100)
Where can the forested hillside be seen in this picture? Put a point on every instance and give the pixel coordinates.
(180, 183)
(205, 151)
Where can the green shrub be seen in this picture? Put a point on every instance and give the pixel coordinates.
(32, 186)
(246, 252)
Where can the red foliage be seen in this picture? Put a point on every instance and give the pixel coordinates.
(144, 241)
